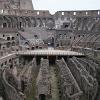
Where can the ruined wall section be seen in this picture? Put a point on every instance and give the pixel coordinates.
(86, 82)
(11, 92)
(26, 4)
(16, 4)
(78, 20)
(43, 80)
(69, 87)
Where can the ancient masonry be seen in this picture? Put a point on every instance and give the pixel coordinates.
(48, 57)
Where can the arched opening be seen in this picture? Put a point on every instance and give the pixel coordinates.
(33, 22)
(98, 48)
(52, 41)
(13, 38)
(1, 65)
(28, 48)
(57, 45)
(8, 44)
(26, 43)
(8, 38)
(65, 25)
(13, 43)
(5, 62)
(4, 25)
(0, 46)
(33, 48)
(52, 60)
(11, 66)
(42, 97)
(3, 48)
(3, 35)
(39, 22)
(28, 22)
(38, 59)
(23, 85)
(40, 47)
(20, 25)
(36, 47)
(36, 36)
(17, 34)
(50, 23)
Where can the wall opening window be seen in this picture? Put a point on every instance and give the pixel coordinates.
(63, 13)
(13, 38)
(98, 48)
(74, 13)
(36, 37)
(3, 35)
(40, 47)
(17, 34)
(13, 43)
(98, 12)
(38, 13)
(1, 65)
(33, 48)
(20, 25)
(66, 25)
(8, 38)
(4, 25)
(78, 35)
(42, 97)
(57, 45)
(8, 44)
(0, 46)
(86, 13)
(36, 47)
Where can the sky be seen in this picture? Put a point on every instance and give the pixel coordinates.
(59, 5)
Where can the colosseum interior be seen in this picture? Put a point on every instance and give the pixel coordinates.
(48, 57)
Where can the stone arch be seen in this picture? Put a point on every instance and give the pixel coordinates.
(33, 22)
(13, 38)
(22, 22)
(13, 43)
(1, 21)
(42, 97)
(8, 44)
(50, 23)
(28, 21)
(14, 22)
(6, 22)
(10, 20)
(2, 65)
(44, 21)
(8, 38)
(97, 26)
(39, 22)
(0, 46)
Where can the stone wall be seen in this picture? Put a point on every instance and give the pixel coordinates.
(43, 81)
(11, 92)
(86, 82)
(69, 87)
(16, 4)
